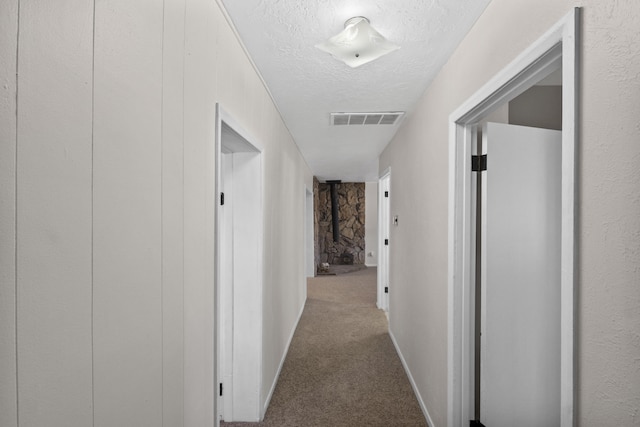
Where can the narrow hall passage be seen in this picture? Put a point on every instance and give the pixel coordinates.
(342, 368)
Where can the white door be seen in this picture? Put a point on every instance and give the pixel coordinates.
(520, 321)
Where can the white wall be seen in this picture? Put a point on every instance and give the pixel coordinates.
(371, 224)
(539, 106)
(608, 230)
(8, 124)
(106, 210)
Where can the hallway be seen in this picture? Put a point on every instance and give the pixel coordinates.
(342, 368)
(112, 120)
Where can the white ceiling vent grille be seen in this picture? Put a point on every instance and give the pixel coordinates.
(349, 119)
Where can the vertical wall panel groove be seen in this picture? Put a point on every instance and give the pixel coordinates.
(93, 88)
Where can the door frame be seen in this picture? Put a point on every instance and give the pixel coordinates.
(384, 229)
(309, 238)
(245, 367)
(557, 47)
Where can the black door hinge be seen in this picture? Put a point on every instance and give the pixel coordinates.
(386, 289)
(479, 163)
(386, 194)
(386, 242)
(221, 199)
(220, 389)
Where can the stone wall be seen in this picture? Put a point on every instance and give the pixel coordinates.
(351, 202)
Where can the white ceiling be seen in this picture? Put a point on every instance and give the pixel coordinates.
(308, 84)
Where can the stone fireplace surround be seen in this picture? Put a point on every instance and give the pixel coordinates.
(351, 214)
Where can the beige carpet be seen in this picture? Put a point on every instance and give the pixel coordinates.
(342, 368)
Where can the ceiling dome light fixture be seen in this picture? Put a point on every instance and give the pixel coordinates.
(358, 43)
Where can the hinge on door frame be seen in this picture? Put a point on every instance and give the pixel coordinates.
(221, 199)
(479, 163)
(386, 289)
(386, 194)
(220, 389)
(386, 242)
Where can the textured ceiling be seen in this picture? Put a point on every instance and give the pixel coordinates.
(308, 84)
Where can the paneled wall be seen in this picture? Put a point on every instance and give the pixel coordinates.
(54, 213)
(106, 210)
(8, 132)
(127, 212)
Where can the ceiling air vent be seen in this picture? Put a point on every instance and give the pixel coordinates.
(349, 119)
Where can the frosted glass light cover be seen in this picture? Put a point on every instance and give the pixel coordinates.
(357, 44)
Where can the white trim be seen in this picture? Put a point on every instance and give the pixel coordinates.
(284, 356)
(382, 302)
(425, 411)
(252, 146)
(216, 264)
(558, 44)
(223, 116)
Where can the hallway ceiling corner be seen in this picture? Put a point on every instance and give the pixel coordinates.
(308, 85)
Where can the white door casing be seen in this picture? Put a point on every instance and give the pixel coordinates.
(239, 271)
(225, 284)
(556, 48)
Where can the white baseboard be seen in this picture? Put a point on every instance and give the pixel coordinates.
(284, 356)
(370, 265)
(425, 411)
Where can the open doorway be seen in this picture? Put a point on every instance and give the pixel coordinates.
(517, 275)
(239, 257)
(468, 393)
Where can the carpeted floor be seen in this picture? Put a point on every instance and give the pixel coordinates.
(342, 368)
